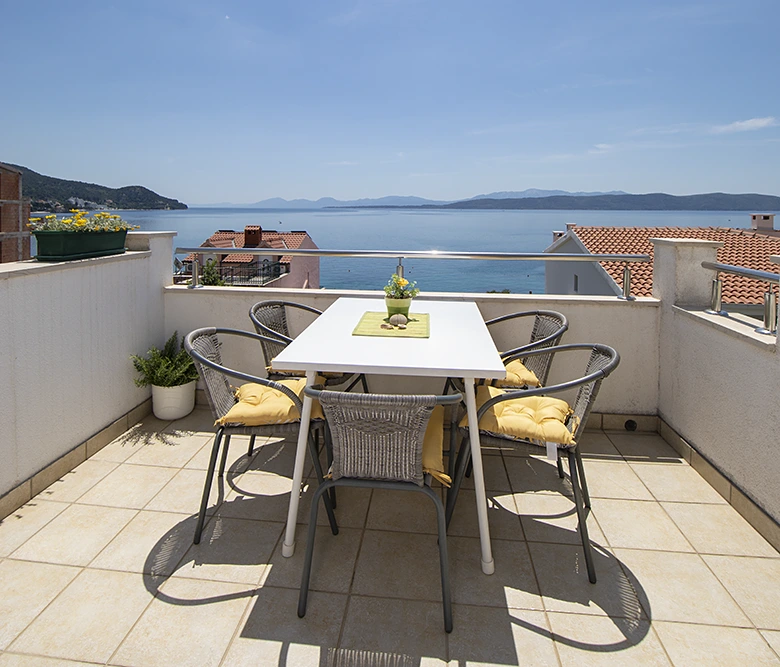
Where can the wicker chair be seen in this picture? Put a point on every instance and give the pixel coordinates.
(377, 441)
(203, 345)
(602, 361)
(270, 319)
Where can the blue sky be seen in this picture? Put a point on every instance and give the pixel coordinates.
(211, 101)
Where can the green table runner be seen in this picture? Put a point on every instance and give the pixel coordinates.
(418, 326)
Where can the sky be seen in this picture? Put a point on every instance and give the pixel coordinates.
(237, 101)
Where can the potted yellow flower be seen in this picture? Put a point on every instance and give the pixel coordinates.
(399, 293)
(79, 235)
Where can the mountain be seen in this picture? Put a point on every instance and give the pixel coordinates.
(52, 194)
(714, 201)
(330, 202)
(534, 192)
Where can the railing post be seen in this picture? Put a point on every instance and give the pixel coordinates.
(716, 300)
(400, 268)
(770, 314)
(195, 282)
(626, 296)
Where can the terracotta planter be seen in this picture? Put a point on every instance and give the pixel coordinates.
(397, 306)
(64, 246)
(170, 403)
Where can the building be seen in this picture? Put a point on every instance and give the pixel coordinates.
(14, 214)
(280, 269)
(749, 248)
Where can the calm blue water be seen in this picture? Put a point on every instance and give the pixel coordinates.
(497, 231)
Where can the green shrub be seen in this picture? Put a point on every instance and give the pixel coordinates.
(210, 275)
(169, 367)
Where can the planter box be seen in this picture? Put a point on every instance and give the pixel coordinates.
(64, 246)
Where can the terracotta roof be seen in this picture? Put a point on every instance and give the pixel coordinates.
(271, 239)
(741, 247)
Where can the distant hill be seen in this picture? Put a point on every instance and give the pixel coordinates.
(534, 192)
(52, 194)
(330, 202)
(714, 201)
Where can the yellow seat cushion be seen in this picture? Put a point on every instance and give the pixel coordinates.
(537, 418)
(517, 375)
(259, 405)
(433, 446)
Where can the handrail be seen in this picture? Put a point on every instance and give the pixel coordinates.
(770, 298)
(423, 254)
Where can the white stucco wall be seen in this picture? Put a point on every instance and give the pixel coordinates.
(630, 327)
(302, 270)
(592, 278)
(68, 330)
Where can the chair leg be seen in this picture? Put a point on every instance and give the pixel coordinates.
(207, 486)
(446, 596)
(223, 462)
(364, 380)
(329, 460)
(464, 457)
(303, 596)
(251, 449)
(326, 499)
(582, 517)
(583, 481)
(559, 463)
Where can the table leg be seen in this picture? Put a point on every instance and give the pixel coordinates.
(488, 566)
(288, 545)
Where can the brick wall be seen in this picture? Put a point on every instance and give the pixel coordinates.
(14, 213)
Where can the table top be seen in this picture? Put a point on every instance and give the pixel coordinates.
(459, 345)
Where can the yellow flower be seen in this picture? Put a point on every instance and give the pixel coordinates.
(403, 282)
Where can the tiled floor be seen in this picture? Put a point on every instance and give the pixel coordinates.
(100, 567)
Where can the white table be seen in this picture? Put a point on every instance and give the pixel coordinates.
(459, 346)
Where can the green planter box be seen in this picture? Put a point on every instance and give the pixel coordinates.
(64, 246)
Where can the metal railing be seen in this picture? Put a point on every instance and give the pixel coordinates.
(770, 298)
(400, 255)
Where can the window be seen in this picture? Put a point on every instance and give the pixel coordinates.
(576, 284)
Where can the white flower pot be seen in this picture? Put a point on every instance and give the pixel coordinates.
(173, 402)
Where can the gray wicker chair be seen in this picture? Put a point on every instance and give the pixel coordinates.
(270, 319)
(377, 441)
(602, 361)
(203, 345)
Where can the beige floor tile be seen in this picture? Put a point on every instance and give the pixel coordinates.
(76, 536)
(553, 518)
(78, 481)
(680, 587)
(262, 498)
(638, 524)
(596, 640)
(385, 631)
(129, 486)
(333, 563)
(272, 633)
(273, 455)
(644, 448)
(231, 550)
(89, 619)
(536, 475)
(351, 506)
(614, 479)
(182, 494)
(199, 421)
(170, 454)
(719, 529)
(489, 636)
(27, 589)
(401, 510)
(689, 644)
(511, 586)
(495, 475)
(191, 625)
(773, 639)
(398, 565)
(117, 451)
(563, 581)
(502, 516)
(21, 660)
(676, 483)
(755, 585)
(152, 543)
(596, 446)
(22, 524)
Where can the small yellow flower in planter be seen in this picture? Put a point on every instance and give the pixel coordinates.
(399, 293)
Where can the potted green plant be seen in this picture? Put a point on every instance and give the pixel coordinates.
(79, 235)
(399, 293)
(172, 375)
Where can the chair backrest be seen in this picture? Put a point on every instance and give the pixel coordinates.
(547, 331)
(602, 358)
(205, 344)
(378, 436)
(270, 320)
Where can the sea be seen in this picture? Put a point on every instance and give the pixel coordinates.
(423, 229)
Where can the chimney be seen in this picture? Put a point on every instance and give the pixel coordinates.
(762, 222)
(253, 235)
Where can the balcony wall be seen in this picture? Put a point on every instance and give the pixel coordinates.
(68, 330)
